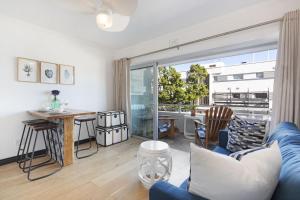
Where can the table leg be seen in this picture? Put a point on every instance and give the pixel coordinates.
(68, 141)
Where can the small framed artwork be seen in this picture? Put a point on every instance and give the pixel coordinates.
(49, 72)
(27, 70)
(66, 75)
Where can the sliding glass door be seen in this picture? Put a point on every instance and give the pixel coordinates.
(143, 87)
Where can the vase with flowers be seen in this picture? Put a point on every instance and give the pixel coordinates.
(55, 104)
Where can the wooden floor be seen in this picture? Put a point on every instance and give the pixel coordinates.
(110, 174)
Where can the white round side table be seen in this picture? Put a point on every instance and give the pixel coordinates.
(155, 162)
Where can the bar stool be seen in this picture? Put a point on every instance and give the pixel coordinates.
(49, 130)
(78, 121)
(24, 139)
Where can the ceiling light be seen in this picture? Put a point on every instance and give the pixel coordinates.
(104, 18)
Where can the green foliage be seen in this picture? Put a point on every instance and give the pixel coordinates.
(171, 86)
(195, 83)
(174, 90)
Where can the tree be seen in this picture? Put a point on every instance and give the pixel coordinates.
(195, 83)
(171, 86)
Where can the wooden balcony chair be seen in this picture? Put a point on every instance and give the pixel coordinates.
(216, 118)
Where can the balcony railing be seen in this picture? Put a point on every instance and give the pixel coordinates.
(259, 99)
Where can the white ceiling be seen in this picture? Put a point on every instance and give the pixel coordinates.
(151, 19)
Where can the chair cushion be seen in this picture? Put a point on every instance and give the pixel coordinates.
(221, 150)
(201, 133)
(245, 135)
(163, 126)
(223, 138)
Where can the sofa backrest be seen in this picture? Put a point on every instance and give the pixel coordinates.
(288, 137)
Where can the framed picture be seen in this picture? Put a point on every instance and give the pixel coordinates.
(27, 70)
(66, 75)
(49, 72)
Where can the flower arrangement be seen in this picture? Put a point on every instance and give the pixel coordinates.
(55, 93)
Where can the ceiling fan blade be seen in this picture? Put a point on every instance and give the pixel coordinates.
(123, 7)
(119, 23)
(81, 6)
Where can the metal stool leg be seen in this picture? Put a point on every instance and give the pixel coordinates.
(95, 134)
(78, 139)
(20, 145)
(54, 145)
(60, 147)
(27, 152)
(90, 143)
(47, 162)
(22, 157)
(32, 156)
(31, 167)
(23, 149)
(88, 132)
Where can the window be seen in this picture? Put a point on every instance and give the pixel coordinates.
(236, 95)
(220, 78)
(260, 56)
(238, 77)
(243, 81)
(268, 74)
(261, 95)
(272, 54)
(259, 75)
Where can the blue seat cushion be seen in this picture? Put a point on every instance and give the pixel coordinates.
(221, 150)
(201, 133)
(163, 126)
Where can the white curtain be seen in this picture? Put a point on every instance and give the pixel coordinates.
(286, 95)
(122, 87)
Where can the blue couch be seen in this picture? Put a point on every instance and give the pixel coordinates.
(288, 188)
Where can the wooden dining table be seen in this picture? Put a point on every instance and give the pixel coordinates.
(68, 117)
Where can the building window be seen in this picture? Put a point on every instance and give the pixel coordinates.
(220, 78)
(238, 77)
(261, 95)
(259, 75)
(268, 74)
(236, 95)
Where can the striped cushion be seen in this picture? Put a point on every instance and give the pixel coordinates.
(244, 135)
(239, 154)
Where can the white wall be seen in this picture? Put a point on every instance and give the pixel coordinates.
(261, 12)
(92, 90)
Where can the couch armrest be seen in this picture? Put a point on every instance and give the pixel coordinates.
(223, 138)
(165, 191)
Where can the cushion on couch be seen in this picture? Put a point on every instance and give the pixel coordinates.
(288, 137)
(219, 177)
(243, 134)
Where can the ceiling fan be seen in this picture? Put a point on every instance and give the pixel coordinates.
(111, 15)
(114, 15)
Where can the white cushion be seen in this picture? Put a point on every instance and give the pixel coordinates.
(219, 177)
